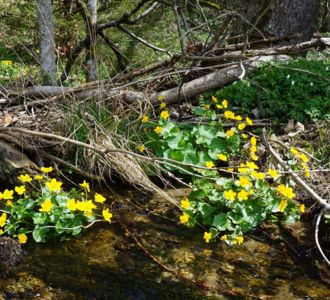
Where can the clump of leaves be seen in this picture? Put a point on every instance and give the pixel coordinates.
(230, 194)
(296, 90)
(48, 212)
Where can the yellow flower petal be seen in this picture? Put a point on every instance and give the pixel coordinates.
(22, 238)
(207, 236)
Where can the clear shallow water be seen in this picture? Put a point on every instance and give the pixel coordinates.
(105, 263)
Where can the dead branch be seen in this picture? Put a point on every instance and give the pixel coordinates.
(317, 225)
(295, 176)
(292, 49)
(141, 40)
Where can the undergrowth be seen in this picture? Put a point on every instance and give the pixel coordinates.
(298, 89)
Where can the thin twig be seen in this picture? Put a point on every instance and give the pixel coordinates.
(141, 40)
(318, 220)
(300, 150)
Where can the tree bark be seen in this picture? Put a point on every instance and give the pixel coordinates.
(278, 18)
(47, 41)
(91, 27)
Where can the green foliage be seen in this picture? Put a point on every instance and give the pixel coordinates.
(47, 211)
(282, 92)
(229, 197)
(9, 71)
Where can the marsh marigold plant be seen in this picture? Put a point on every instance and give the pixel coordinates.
(40, 208)
(229, 201)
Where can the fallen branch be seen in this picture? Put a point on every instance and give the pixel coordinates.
(295, 176)
(318, 220)
(187, 91)
(53, 158)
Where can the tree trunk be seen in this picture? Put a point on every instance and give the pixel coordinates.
(278, 18)
(47, 41)
(91, 27)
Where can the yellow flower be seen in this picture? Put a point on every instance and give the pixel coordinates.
(273, 173)
(229, 115)
(99, 198)
(164, 114)
(253, 149)
(185, 203)
(224, 237)
(304, 158)
(249, 121)
(161, 98)
(20, 190)
(243, 168)
(54, 185)
(22, 238)
(158, 130)
(85, 185)
(207, 106)
(38, 177)
(145, 119)
(307, 173)
(258, 175)
(244, 136)
(243, 195)
(107, 215)
(214, 99)
(3, 219)
(141, 148)
(244, 181)
(286, 191)
(218, 106)
(231, 169)
(207, 236)
(1, 232)
(230, 133)
(252, 165)
(8, 194)
(240, 240)
(209, 164)
(25, 178)
(46, 206)
(7, 62)
(230, 195)
(222, 157)
(162, 105)
(71, 204)
(253, 141)
(225, 103)
(254, 157)
(238, 118)
(184, 218)
(9, 203)
(283, 205)
(302, 208)
(86, 206)
(241, 126)
(294, 151)
(46, 170)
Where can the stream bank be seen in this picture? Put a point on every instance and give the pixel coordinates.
(107, 263)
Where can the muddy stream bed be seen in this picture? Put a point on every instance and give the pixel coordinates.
(165, 260)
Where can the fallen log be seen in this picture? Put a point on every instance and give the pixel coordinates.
(187, 91)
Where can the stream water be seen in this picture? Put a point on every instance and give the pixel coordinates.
(107, 263)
